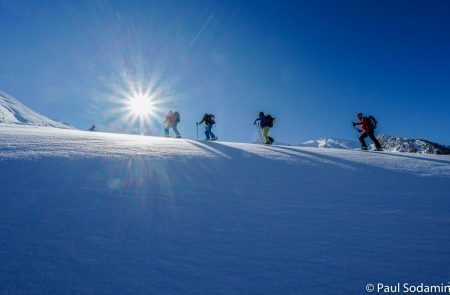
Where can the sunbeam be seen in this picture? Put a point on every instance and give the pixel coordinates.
(140, 105)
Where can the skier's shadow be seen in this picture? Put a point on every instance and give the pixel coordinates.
(223, 150)
(415, 158)
(358, 165)
(322, 159)
(208, 149)
(291, 155)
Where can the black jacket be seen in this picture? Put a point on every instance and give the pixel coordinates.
(208, 119)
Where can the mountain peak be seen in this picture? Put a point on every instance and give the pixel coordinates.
(411, 145)
(12, 111)
(389, 143)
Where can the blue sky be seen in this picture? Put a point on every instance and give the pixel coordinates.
(312, 64)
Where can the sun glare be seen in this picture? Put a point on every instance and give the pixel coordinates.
(140, 105)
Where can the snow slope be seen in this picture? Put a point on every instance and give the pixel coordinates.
(12, 111)
(335, 143)
(85, 212)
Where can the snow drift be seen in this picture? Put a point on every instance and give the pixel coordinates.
(86, 212)
(12, 111)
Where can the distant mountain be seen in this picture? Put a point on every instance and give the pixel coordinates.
(389, 143)
(334, 143)
(12, 111)
(411, 145)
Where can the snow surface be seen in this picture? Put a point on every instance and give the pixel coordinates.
(335, 143)
(87, 212)
(12, 111)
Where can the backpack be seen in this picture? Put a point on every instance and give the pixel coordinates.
(372, 122)
(210, 119)
(269, 121)
(177, 116)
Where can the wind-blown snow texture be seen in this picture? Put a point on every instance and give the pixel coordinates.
(86, 212)
(12, 111)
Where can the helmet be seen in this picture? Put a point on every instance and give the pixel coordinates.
(359, 115)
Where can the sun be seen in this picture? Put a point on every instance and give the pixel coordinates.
(140, 105)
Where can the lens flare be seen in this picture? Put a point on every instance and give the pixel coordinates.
(140, 79)
(140, 105)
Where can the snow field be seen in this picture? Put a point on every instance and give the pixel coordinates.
(108, 213)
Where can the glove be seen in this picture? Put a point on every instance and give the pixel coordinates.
(254, 123)
(360, 131)
(353, 123)
(196, 123)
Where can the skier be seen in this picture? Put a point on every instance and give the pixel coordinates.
(209, 120)
(92, 128)
(368, 130)
(265, 123)
(172, 120)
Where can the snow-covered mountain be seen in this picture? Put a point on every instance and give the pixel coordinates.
(411, 145)
(97, 213)
(12, 111)
(389, 143)
(335, 143)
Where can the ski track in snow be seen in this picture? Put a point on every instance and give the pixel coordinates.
(87, 212)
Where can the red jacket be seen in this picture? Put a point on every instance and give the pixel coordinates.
(170, 119)
(365, 124)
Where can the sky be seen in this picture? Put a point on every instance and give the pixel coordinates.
(313, 65)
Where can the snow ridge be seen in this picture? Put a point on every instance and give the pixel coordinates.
(335, 143)
(12, 111)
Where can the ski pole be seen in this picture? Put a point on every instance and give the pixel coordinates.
(258, 127)
(357, 131)
(257, 130)
(263, 140)
(197, 129)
